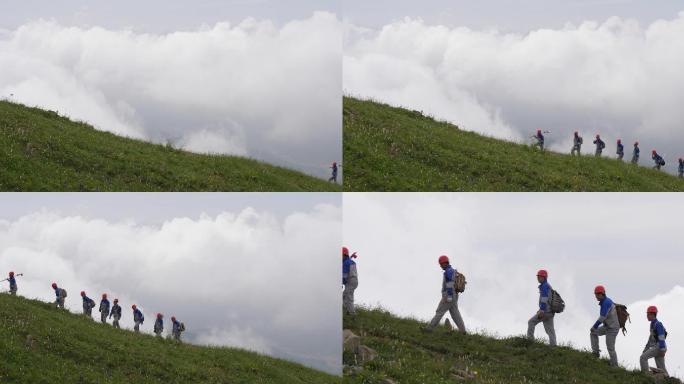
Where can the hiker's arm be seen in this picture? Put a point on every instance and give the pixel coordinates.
(660, 332)
(544, 299)
(450, 283)
(602, 317)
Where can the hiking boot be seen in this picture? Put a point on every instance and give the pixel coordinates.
(426, 329)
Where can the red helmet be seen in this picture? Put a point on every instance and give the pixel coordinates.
(11, 273)
(159, 315)
(173, 318)
(334, 163)
(619, 141)
(443, 259)
(116, 300)
(104, 295)
(542, 273)
(652, 309)
(653, 151)
(345, 251)
(133, 306)
(82, 293)
(538, 130)
(54, 285)
(599, 289)
(597, 135)
(636, 143)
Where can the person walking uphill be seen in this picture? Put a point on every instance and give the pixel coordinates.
(540, 140)
(576, 144)
(159, 325)
(60, 296)
(350, 279)
(544, 314)
(449, 301)
(13, 284)
(681, 168)
(610, 328)
(600, 144)
(88, 305)
(333, 177)
(138, 318)
(635, 153)
(655, 346)
(115, 313)
(177, 328)
(657, 159)
(620, 150)
(104, 308)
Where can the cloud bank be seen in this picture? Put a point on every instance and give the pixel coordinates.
(616, 77)
(249, 89)
(500, 241)
(243, 279)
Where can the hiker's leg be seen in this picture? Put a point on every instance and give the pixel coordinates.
(648, 354)
(660, 361)
(456, 315)
(442, 308)
(531, 324)
(549, 328)
(610, 346)
(594, 337)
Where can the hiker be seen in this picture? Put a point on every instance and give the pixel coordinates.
(333, 178)
(540, 140)
(350, 279)
(138, 318)
(681, 168)
(177, 328)
(599, 146)
(159, 325)
(635, 153)
(610, 328)
(12, 283)
(544, 314)
(60, 295)
(659, 161)
(104, 308)
(449, 301)
(655, 346)
(576, 144)
(620, 150)
(88, 305)
(116, 313)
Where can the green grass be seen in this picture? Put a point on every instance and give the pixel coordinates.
(42, 151)
(394, 149)
(409, 356)
(69, 348)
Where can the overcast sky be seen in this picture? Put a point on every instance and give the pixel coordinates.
(605, 71)
(631, 243)
(239, 269)
(214, 77)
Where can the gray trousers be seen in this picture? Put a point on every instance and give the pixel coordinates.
(158, 332)
(88, 312)
(452, 308)
(115, 322)
(348, 295)
(103, 317)
(137, 326)
(652, 352)
(59, 302)
(611, 336)
(598, 152)
(13, 290)
(620, 156)
(548, 326)
(575, 148)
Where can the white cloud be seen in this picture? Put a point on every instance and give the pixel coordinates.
(244, 279)
(253, 88)
(499, 241)
(617, 78)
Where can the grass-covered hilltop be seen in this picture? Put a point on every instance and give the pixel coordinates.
(395, 350)
(43, 151)
(41, 344)
(394, 149)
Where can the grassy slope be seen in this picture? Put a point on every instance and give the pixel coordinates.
(71, 349)
(394, 149)
(409, 356)
(41, 151)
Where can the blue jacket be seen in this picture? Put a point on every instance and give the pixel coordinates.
(116, 311)
(544, 291)
(176, 326)
(348, 269)
(620, 148)
(104, 306)
(636, 151)
(681, 166)
(138, 316)
(540, 137)
(606, 304)
(448, 281)
(88, 301)
(657, 158)
(13, 281)
(159, 324)
(57, 290)
(658, 333)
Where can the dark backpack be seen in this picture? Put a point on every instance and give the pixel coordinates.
(623, 317)
(556, 302)
(460, 282)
